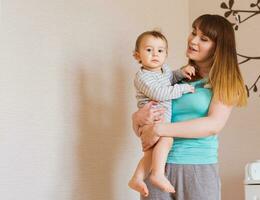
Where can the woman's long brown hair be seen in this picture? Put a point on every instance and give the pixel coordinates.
(224, 77)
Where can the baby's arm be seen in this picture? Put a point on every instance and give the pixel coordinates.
(177, 76)
(184, 72)
(153, 90)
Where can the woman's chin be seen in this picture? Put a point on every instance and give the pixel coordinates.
(189, 56)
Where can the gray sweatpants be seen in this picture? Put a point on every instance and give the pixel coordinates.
(191, 182)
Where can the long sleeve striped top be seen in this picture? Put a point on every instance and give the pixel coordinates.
(159, 86)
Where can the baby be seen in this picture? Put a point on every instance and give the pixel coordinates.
(156, 82)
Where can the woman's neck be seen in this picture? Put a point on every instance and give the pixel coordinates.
(204, 72)
(203, 69)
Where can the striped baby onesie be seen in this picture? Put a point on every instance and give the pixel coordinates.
(159, 86)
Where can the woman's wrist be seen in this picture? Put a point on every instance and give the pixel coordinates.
(162, 130)
(157, 129)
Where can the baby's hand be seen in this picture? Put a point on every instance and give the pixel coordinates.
(188, 71)
(187, 88)
(191, 89)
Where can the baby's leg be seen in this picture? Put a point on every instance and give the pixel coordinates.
(143, 169)
(159, 157)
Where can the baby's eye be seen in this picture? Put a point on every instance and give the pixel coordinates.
(160, 50)
(149, 50)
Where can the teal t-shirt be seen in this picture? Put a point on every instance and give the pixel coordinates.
(193, 150)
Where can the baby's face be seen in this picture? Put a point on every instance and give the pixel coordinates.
(152, 53)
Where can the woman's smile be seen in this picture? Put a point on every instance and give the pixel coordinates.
(191, 49)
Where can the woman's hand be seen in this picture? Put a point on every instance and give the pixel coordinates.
(149, 136)
(149, 114)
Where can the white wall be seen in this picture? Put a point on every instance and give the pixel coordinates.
(240, 139)
(66, 94)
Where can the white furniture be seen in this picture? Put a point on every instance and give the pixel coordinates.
(252, 181)
(252, 192)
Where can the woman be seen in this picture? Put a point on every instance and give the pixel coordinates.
(197, 118)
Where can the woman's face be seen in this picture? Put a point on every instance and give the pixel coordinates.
(200, 48)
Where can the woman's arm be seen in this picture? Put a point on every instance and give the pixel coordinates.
(201, 127)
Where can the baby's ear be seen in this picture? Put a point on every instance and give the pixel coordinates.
(136, 56)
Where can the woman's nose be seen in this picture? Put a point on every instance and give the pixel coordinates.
(195, 40)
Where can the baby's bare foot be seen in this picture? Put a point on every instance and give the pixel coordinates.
(139, 186)
(162, 182)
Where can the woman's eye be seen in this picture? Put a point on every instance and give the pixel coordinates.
(193, 33)
(204, 39)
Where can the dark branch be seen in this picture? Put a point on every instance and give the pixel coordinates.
(250, 57)
(247, 58)
(246, 11)
(249, 17)
(254, 83)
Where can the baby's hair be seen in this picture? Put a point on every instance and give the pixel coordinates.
(154, 33)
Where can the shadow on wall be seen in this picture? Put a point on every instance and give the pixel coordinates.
(101, 124)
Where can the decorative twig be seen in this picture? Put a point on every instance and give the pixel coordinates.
(255, 13)
(253, 87)
(236, 14)
(247, 58)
